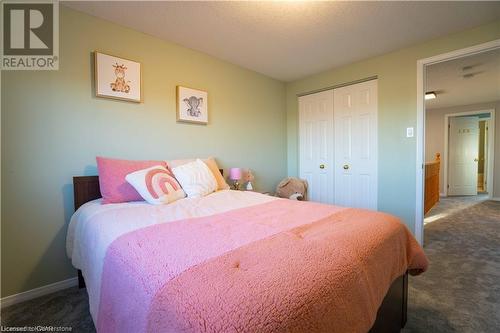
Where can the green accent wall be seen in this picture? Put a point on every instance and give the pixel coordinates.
(397, 89)
(53, 127)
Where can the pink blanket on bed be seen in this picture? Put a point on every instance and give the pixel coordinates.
(281, 266)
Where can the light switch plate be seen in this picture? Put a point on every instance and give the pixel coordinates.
(409, 132)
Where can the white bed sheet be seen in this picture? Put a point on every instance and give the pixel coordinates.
(95, 226)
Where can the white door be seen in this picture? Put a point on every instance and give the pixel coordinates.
(316, 145)
(355, 110)
(463, 155)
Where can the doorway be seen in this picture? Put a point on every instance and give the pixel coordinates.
(469, 163)
(484, 140)
(424, 153)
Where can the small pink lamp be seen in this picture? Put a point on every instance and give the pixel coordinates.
(235, 176)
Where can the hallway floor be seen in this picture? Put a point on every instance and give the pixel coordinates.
(450, 205)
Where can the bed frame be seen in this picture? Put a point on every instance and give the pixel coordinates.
(391, 316)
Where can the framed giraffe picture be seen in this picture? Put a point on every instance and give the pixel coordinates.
(117, 78)
(192, 105)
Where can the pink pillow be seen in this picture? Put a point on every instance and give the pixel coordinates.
(112, 172)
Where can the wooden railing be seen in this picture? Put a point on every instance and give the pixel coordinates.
(431, 196)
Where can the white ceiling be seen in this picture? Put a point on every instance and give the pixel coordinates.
(480, 84)
(288, 40)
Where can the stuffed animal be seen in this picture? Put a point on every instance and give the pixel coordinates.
(292, 188)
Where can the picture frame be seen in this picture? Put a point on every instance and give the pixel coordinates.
(192, 105)
(117, 78)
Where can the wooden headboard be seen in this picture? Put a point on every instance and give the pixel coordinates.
(86, 188)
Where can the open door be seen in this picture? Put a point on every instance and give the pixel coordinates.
(463, 155)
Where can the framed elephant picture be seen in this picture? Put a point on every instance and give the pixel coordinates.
(117, 78)
(192, 105)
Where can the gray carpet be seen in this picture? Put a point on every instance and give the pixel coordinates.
(461, 290)
(459, 293)
(450, 205)
(68, 308)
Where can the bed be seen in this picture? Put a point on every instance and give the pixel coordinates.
(239, 276)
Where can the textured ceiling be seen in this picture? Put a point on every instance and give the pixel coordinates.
(480, 84)
(288, 40)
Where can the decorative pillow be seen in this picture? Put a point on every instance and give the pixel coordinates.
(221, 182)
(212, 165)
(195, 178)
(156, 185)
(112, 172)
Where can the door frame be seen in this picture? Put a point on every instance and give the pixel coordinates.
(420, 126)
(491, 147)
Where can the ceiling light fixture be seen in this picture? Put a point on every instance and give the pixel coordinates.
(430, 95)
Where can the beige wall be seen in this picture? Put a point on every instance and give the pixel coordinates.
(53, 127)
(434, 136)
(397, 105)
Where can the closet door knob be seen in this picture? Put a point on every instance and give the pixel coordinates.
(476, 160)
(346, 166)
(321, 166)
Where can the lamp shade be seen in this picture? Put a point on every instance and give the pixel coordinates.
(235, 173)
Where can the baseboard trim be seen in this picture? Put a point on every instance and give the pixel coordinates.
(495, 199)
(37, 292)
(442, 195)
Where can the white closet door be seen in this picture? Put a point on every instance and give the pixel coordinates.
(316, 145)
(463, 156)
(355, 110)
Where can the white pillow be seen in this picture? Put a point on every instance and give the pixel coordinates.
(195, 178)
(156, 185)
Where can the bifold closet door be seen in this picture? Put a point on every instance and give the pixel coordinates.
(316, 145)
(355, 118)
